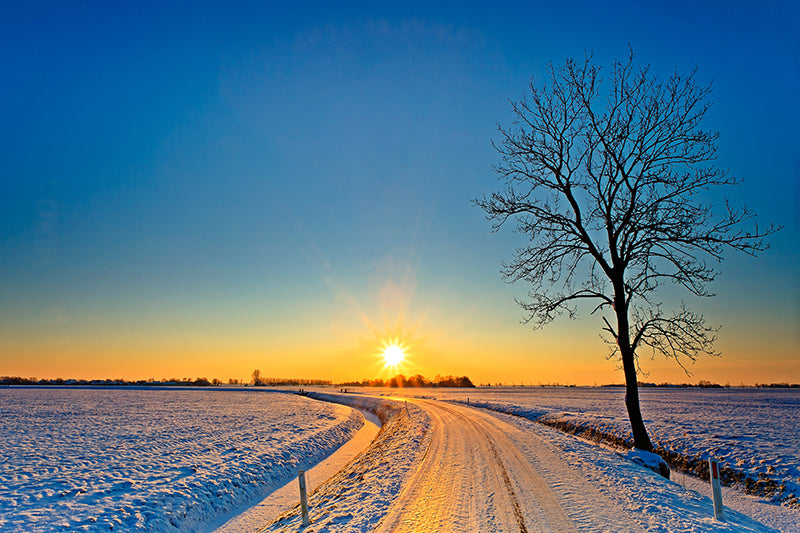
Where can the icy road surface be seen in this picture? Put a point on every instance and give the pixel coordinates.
(487, 475)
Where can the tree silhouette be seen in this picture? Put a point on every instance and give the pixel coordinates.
(610, 182)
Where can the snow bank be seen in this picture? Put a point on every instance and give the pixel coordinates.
(649, 460)
(358, 497)
(383, 409)
(152, 460)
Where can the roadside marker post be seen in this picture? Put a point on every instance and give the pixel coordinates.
(301, 476)
(716, 489)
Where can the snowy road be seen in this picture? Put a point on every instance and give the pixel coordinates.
(438, 466)
(483, 474)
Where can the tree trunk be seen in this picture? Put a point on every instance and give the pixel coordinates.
(640, 438)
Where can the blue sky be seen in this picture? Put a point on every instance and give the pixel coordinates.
(203, 188)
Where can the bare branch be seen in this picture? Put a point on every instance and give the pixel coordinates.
(684, 334)
(610, 178)
(606, 181)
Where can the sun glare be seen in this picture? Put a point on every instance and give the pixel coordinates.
(393, 355)
(395, 350)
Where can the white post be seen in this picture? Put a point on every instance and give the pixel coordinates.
(716, 490)
(303, 497)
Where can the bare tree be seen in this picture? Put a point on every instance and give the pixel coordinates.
(610, 182)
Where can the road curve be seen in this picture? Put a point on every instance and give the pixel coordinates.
(481, 473)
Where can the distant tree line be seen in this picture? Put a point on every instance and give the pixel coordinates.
(262, 381)
(197, 382)
(397, 381)
(277, 382)
(165, 382)
(704, 384)
(417, 380)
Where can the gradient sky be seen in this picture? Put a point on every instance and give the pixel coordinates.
(200, 189)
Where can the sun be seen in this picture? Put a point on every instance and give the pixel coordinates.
(396, 351)
(393, 355)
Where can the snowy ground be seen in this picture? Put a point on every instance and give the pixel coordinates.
(252, 517)
(755, 432)
(152, 460)
(470, 470)
(359, 496)
(177, 460)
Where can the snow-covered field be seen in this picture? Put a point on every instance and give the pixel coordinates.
(176, 459)
(152, 460)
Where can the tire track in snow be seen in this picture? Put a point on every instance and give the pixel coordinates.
(539, 504)
(432, 498)
(569, 490)
(507, 480)
(473, 479)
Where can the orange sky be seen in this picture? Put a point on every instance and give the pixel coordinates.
(342, 339)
